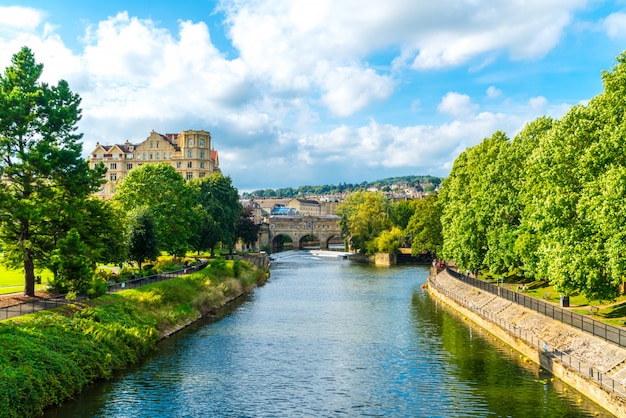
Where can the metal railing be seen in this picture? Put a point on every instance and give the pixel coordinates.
(40, 304)
(547, 349)
(610, 333)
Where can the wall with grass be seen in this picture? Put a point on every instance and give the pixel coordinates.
(50, 356)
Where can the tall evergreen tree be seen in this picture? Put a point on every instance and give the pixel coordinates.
(40, 163)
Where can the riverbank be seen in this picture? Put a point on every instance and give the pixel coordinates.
(50, 356)
(542, 340)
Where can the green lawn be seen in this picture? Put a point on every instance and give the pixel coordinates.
(12, 281)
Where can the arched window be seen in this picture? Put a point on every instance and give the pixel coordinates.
(190, 143)
(202, 142)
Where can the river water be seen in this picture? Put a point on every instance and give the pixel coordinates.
(326, 337)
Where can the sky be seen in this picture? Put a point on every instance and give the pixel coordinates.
(313, 92)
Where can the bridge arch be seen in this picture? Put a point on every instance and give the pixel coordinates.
(300, 231)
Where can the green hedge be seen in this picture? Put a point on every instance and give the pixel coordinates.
(50, 356)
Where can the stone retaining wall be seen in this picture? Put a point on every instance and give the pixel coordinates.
(577, 358)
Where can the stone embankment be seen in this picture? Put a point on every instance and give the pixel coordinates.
(591, 365)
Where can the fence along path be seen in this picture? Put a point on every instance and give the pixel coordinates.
(41, 304)
(612, 378)
(611, 333)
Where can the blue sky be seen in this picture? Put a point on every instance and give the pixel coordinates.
(303, 92)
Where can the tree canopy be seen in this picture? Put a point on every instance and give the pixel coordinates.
(40, 163)
(161, 189)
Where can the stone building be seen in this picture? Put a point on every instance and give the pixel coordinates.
(189, 152)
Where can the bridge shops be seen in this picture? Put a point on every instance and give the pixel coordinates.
(301, 232)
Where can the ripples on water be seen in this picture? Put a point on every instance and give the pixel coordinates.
(326, 337)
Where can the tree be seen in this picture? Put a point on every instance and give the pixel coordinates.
(142, 237)
(216, 194)
(72, 268)
(166, 194)
(40, 162)
(247, 230)
(389, 241)
(424, 226)
(364, 216)
(205, 231)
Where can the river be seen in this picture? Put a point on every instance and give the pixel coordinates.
(326, 337)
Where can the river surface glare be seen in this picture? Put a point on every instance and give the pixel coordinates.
(326, 337)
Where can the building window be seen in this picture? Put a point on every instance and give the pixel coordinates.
(201, 164)
(112, 188)
(170, 155)
(144, 155)
(189, 164)
(157, 154)
(113, 166)
(201, 154)
(129, 166)
(179, 164)
(190, 154)
(202, 174)
(150, 155)
(150, 144)
(189, 175)
(190, 143)
(129, 156)
(99, 155)
(202, 142)
(113, 177)
(157, 144)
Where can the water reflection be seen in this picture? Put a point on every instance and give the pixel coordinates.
(326, 337)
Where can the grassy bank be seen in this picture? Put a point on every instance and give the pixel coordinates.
(48, 357)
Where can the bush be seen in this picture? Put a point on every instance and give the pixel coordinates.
(99, 287)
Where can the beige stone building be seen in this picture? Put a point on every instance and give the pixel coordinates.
(189, 152)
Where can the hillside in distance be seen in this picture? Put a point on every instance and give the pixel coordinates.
(421, 183)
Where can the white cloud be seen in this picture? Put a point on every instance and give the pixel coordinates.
(538, 104)
(457, 105)
(615, 25)
(493, 92)
(19, 19)
(349, 89)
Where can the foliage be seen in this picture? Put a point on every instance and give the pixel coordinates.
(549, 203)
(164, 192)
(205, 232)
(424, 226)
(142, 237)
(247, 229)
(217, 196)
(387, 242)
(364, 216)
(40, 163)
(71, 266)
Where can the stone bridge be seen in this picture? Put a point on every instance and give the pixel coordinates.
(282, 232)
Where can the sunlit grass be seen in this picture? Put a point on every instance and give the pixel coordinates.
(12, 281)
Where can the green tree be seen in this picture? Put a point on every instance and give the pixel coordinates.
(388, 241)
(424, 226)
(142, 236)
(216, 194)
(206, 232)
(164, 191)
(247, 230)
(40, 163)
(364, 216)
(402, 212)
(71, 265)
